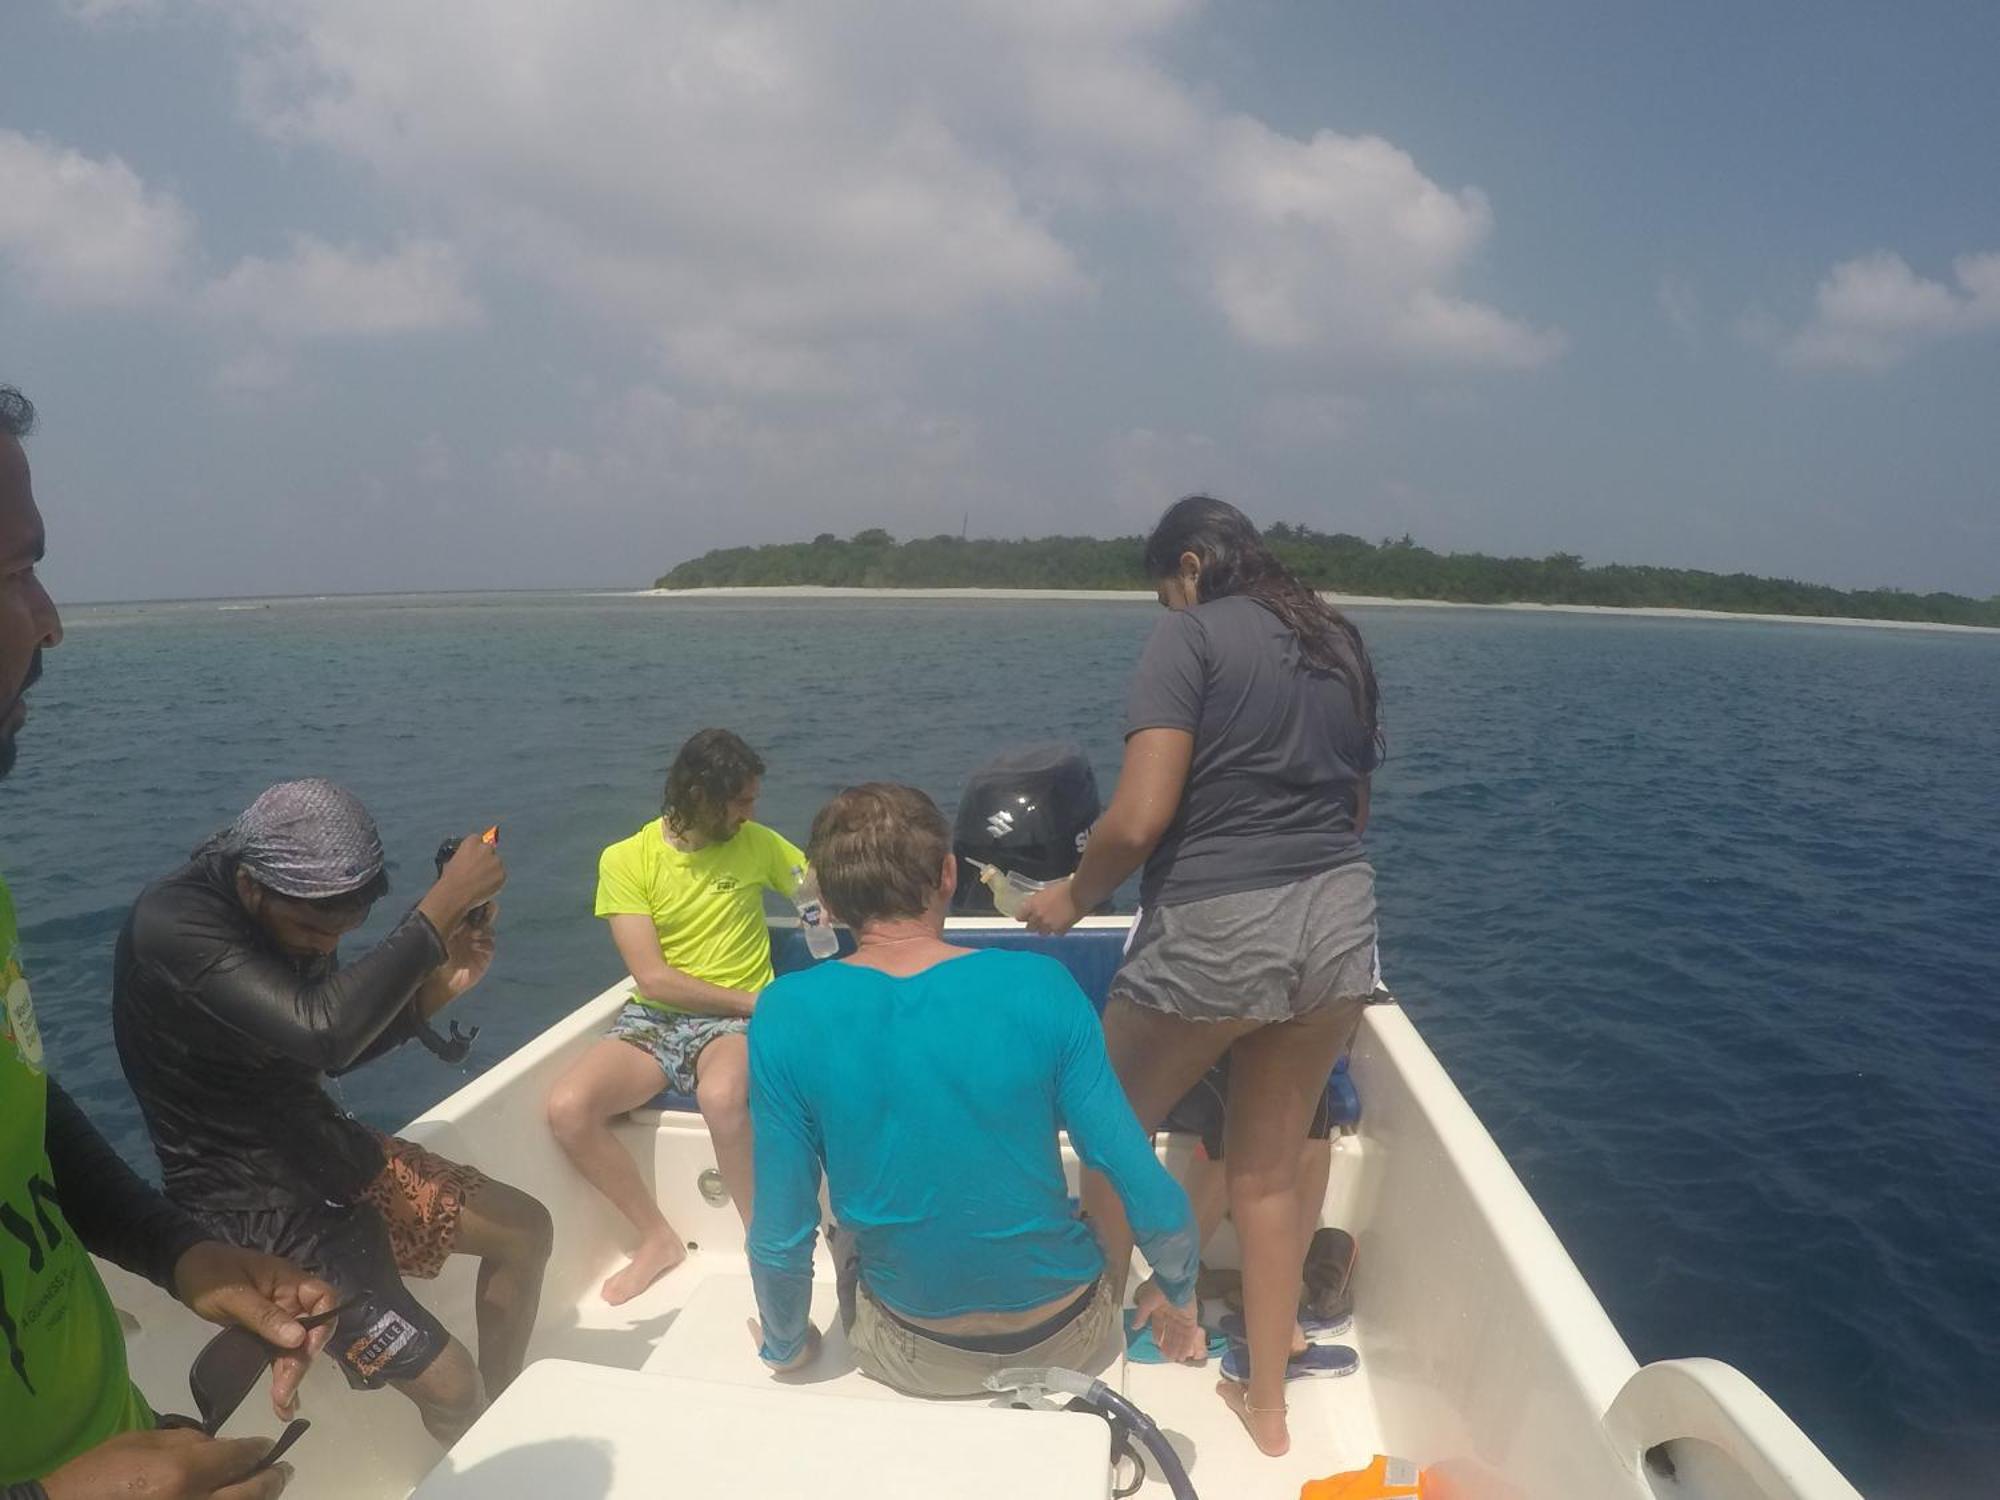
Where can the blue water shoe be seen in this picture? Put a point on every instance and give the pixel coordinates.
(1319, 1362)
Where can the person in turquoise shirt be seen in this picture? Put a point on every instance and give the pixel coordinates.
(72, 1425)
(930, 1083)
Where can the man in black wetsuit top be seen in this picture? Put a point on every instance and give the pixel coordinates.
(72, 1425)
(230, 1003)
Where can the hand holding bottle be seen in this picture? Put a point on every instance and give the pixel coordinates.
(821, 940)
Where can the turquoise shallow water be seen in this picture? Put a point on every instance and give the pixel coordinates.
(1700, 915)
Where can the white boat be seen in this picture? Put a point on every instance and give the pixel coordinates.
(1484, 1356)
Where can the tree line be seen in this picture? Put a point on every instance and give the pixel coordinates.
(1338, 562)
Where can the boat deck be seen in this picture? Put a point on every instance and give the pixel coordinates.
(691, 1325)
(1483, 1354)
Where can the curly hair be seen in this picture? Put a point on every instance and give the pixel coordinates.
(710, 772)
(17, 413)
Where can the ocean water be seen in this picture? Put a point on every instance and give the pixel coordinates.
(1700, 915)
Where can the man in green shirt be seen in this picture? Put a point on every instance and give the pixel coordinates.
(72, 1426)
(685, 900)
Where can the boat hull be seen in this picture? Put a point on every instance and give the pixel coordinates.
(1484, 1354)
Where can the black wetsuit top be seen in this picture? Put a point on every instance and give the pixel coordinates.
(114, 1212)
(224, 1038)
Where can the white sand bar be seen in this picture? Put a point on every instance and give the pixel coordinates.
(1145, 596)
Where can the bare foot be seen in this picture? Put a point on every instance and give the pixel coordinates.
(1266, 1428)
(655, 1256)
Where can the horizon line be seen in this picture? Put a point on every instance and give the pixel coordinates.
(580, 588)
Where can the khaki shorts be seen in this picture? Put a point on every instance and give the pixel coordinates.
(900, 1356)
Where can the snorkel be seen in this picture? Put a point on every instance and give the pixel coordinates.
(1032, 1386)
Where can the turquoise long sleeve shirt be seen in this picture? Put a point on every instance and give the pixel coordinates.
(933, 1104)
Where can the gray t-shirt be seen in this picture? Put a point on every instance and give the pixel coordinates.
(1279, 750)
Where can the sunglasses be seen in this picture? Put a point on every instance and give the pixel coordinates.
(229, 1367)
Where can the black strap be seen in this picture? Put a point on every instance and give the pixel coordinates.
(454, 1050)
(1121, 1448)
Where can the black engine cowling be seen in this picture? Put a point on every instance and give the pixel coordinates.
(1026, 810)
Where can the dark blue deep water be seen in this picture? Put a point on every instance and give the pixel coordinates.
(1701, 915)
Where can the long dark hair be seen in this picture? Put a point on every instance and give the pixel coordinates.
(1234, 560)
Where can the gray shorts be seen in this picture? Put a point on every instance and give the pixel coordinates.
(1264, 955)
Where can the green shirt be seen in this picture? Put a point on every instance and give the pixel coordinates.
(63, 1384)
(707, 906)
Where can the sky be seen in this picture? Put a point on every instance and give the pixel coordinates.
(347, 295)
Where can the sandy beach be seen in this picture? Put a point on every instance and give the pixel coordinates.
(1359, 601)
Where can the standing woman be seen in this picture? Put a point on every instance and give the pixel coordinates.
(1251, 729)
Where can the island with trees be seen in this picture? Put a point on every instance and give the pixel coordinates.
(1337, 562)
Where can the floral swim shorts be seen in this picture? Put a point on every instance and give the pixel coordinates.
(674, 1039)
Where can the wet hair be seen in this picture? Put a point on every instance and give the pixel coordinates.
(17, 413)
(710, 772)
(878, 851)
(1234, 560)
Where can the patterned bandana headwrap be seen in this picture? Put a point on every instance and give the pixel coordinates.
(308, 839)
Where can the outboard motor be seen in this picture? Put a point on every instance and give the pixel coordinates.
(1026, 812)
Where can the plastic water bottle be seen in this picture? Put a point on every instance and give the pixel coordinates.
(1009, 890)
(821, 940)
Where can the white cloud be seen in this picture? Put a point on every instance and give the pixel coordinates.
(707, 472)
(820, 224)
(320, 290)
(732, 181)
(1340, 247)
(1874, 311)
(81, 231)
(796, 200)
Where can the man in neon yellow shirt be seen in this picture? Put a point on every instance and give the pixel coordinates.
(72, 1425)
(685, 899)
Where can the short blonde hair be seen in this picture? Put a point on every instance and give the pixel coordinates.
(879, 852)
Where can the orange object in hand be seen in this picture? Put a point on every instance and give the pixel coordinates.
(1384, 1479)
(491, 836)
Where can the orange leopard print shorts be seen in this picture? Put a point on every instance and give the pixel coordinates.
(420, 1196)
